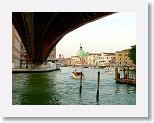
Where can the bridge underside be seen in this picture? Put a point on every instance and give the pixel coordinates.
(41, 31)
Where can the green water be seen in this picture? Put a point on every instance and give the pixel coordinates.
(59, 88)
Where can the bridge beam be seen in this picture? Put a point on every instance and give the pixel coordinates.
(41, 31)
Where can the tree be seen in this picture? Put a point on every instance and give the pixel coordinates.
(132, 54)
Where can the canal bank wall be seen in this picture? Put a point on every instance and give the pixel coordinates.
(38, 69)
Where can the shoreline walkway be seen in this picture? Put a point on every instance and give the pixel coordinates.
(32, 70)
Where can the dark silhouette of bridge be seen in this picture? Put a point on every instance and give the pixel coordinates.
(41, 31)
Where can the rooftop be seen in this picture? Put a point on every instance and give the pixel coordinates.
(123, 51)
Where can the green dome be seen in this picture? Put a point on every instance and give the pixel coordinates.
(81, 53)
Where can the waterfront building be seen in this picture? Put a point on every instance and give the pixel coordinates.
(75, 61)
(80, 59)
(101, 59)
(16, 49)
(61, 60)
(80, 52)
(93, 59)
(52, 61)
(67, 61)
(64, 61)
(107, 59)
(52, 56)
(122, 58)
(18, 52)
(22, 59)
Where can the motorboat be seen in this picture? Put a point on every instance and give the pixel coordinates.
(77, 75)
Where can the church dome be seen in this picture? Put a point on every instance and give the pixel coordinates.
(80, 52)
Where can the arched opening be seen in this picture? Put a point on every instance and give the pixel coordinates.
(60, 87)
(40, 32)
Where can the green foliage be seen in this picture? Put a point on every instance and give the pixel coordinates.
(132, 54)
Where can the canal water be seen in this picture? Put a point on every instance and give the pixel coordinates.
(60, 88)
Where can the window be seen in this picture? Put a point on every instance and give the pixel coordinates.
(120, 54)
(120, 58)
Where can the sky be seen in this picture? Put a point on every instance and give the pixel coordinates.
(109, 34)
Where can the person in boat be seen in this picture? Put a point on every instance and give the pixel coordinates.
(77, 73)
(74, 72)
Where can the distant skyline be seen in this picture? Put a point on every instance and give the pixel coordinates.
(109, 34)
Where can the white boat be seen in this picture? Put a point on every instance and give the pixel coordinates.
(111, 72)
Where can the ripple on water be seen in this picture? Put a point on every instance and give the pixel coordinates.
(59, 88)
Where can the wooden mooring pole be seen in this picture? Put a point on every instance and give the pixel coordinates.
(124, 73)
(80, 83)
(127, 74)
(116, 73)
(98, 80)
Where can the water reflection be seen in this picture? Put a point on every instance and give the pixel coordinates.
(129, 89)
(59, 88)
(117, 89)
(39, 90)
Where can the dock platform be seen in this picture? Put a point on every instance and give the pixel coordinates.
(125, 81)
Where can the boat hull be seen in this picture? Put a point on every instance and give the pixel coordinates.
(77, 75)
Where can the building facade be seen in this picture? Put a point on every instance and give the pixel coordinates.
(75, 61)
(23, 62)
(19, 60)
(93, 59)
(80, 59)
(101, 59)
(108, 59)
(67, 61)
(122, 58)
(16, 49)
(18, 52)
(52, 56)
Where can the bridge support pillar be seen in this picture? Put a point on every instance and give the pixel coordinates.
(37, 66)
